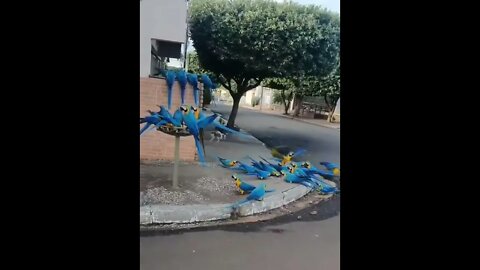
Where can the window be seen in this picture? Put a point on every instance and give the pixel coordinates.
(161, 53)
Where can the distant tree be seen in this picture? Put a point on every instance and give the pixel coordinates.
(245, 41)
(283, 91)
(329, 89)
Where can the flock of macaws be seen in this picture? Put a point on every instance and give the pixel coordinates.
(187, 117)
(190, 117)
(303, 173)
(184, 78)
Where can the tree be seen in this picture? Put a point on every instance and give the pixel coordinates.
(329, 89)
(245, 41)
(193, 64)
(283, 91)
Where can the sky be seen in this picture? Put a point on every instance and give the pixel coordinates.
(333, 5)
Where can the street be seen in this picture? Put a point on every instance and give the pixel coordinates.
(323, 144)
(297, 245)
(310, 242)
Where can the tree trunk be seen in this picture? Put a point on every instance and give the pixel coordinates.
(289, 99)
(298, 105)
(284, 100)
(233, 113)
(331, 109)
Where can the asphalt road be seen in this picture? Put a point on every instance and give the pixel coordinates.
(313, 242)
(321, 143)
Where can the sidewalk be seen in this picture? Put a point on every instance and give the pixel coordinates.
(205, 194)
(317, 122)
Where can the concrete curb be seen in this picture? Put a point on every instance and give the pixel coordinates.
(167, 214)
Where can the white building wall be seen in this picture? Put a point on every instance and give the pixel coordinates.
(160, 19)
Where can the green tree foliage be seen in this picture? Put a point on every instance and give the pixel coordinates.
(245, 41)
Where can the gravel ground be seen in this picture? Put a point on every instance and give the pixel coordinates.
(213, 185)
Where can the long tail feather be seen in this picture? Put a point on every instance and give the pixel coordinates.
(202, 140)
(170, 77)
(144, 128)
(227, 130)
(200, 152)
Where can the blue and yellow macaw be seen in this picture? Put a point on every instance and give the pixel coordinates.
(178, 116)
(193, 80)
(284, 159)
(245, 187)
(265, 167)
(151, 120)
(309, 169)
(227, 163)
(182, 80)
(277, 167)
(191, 123)
(334, 168)
(165, 114)
(326, 188)
(246, 168)
(299, 176)
(207, 82)
(170, 78)
(291, 177)
(261, 174)
(202, 120)
(256, 195)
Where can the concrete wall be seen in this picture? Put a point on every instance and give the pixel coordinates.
(336, 113)
(160, 19)
(156, 145)
(267, 98)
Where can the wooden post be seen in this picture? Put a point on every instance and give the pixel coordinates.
(176, 162)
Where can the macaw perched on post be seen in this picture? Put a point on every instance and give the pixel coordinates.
(208, 83)
(206, 121)
(256, 195)
(165, 114)
(151, 120)
(178, 116)
(193, 80)
(245, 187)
(182, 80)
(334, 168)
(227, 163)
(202, 120)
(191, 123)
(170, 77)
(199, 115)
